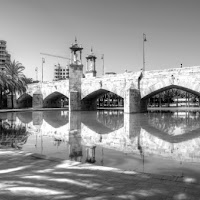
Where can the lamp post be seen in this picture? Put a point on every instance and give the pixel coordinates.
(43, 61)
(102, 57)
(36, 71)
(144, 40)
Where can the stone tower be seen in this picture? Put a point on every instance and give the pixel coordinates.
(91, 65)
(75, 75)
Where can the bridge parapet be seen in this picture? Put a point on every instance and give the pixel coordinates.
(48, 88)
(113, 83)
(194, 71)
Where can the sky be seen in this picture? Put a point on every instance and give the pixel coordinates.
(111, 27)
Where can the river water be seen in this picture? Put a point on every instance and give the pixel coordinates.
(154, 142)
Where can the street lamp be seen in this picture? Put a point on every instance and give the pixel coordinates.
(144, 40)
(102, 57)
(36, 71)
(43, 61)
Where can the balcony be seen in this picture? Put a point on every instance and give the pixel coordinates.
(2, 53)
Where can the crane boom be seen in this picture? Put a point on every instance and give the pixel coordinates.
(46, 54)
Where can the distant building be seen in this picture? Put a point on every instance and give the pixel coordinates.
(61, 72)
(4, 55)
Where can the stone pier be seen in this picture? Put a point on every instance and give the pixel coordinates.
(37, 99)
(132, 101)
(75, 75)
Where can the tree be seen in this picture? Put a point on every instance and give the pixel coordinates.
(17, 81)
(4, 85)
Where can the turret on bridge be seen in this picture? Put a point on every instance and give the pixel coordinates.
(75, 75)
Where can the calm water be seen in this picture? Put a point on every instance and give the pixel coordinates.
(155, 142)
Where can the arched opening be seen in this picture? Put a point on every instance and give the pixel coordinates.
(25, 101)
(56, 100)
(173, 96)
(102, 99)
(110, 100)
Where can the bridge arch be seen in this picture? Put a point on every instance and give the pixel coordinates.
(191, 85)
(117, 87)
(25, 101)
(89, 102)
(55, 100)
(197, 93)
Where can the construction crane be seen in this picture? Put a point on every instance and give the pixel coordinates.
(46, 54)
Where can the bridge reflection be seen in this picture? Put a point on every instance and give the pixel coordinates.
(173, 127)
(87, 135)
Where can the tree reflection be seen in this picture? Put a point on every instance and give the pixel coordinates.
(171, 121)
(13, 135)
(111, 119)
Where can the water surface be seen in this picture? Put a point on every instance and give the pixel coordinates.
(154, 142)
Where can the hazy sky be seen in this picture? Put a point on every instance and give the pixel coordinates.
(113, 27)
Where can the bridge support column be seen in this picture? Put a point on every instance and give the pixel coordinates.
(38, 99)
(132, 101)
(75, 75)
(74, 101)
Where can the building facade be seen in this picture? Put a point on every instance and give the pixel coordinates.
(61, 72)
(4, 55)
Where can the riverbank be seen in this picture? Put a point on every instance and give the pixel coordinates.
(174, 109)
(33, 176)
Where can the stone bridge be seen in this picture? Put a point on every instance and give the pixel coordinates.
(134, 87)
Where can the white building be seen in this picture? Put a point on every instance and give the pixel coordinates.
(61, 72)
(4, 55)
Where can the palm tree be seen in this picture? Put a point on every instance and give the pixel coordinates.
(17, 81)
(2, 81)
(4, 85)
